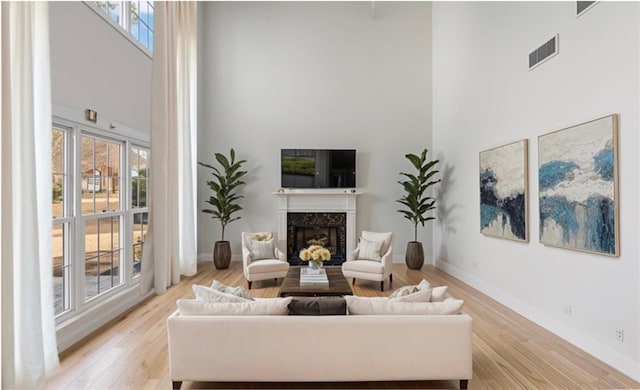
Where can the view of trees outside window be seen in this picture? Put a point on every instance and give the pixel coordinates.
(59, 171)
(138, 21)
(101, 181)
(142, 22)
(61, 221)
(100, 165)
(100, 214)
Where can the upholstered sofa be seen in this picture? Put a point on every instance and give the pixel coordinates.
(285, 348)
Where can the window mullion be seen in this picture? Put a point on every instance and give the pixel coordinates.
(126, 226)
(126, 17)
(79, 242)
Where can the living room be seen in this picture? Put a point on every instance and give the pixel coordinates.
(388, 79)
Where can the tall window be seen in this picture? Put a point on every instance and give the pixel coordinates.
(135, 17)
(100, 215)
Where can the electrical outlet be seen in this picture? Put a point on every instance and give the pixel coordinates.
(566, 307)
(619, 334)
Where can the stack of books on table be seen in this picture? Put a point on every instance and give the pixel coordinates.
(313, 278)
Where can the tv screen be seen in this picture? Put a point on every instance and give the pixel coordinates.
(318, 168)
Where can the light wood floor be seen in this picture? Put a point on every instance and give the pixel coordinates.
(509, 352)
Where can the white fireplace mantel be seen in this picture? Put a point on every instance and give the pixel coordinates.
(317, 201)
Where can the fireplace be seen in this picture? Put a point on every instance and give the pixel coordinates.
(333, 205)
(325, 229)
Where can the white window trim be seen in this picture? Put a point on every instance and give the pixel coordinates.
(139, 210)
(107, 127)
(86, 316)
(67, 217)
(125, 33)
(125, 279)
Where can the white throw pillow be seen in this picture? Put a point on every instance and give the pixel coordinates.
(419, 296)
(271, 306)
(386, 239)
(362, 305)
(208, 294)
(406, 290)
(238, 291)
(262, 249)
(403, 291)
(423, 285)
(438, 294)
(370, 250)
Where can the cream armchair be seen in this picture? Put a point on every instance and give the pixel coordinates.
(261, 259)
(372, 259)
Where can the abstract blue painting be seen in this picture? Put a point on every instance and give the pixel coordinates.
(578, 187)
(503, 191)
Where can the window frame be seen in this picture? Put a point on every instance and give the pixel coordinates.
(67, 220)
(123, 28)
(70, 121)
(131, 211)
(97, 216)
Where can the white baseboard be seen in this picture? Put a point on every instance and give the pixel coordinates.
(82, 325)
(588, 344)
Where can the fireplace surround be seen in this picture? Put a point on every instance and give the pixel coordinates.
(325, 229)
(324, 216)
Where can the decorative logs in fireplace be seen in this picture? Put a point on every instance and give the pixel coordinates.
(326, 229)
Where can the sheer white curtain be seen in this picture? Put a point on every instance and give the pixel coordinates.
(172, 228)
(29, 352)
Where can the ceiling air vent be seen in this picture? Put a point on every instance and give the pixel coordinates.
(544, 52)
(584, 6)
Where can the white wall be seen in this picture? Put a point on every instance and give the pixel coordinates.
(484, 96)
(94, 66)
(314, 75)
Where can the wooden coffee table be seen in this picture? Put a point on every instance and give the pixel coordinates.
(338, 284)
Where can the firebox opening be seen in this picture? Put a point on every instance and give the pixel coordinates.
(325, 229)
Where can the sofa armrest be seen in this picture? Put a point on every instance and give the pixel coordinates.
(353, 255)
(247, 258)
(280, 255)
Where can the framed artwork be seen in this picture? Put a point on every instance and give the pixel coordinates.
(504, 191)
(578, 187)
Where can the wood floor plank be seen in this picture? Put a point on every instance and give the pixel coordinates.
(509, 352)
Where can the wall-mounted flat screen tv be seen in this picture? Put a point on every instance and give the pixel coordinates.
(318, 168)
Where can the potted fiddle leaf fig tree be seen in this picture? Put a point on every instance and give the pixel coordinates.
(227, 179)
(417, 203)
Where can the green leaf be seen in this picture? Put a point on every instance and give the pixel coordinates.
(416, 203)
(227, 175)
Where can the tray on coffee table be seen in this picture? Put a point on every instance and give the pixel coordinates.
(338, 284)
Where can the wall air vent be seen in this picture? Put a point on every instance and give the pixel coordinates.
(544, 52)
(584, 6)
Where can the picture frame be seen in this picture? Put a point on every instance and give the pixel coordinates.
(504, 191)
(578, 187)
